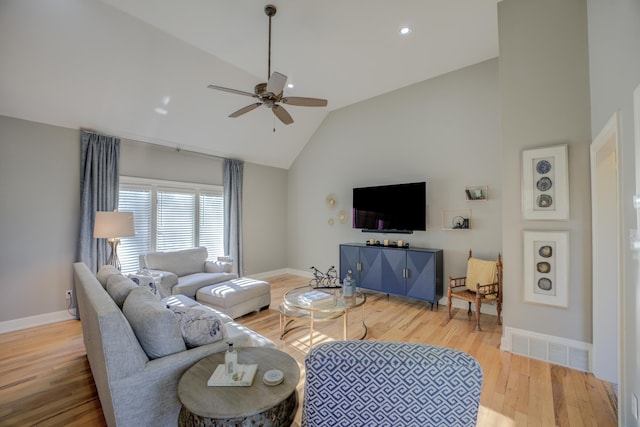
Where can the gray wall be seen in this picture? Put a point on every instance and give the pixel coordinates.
(445, 131)
(614, 43)
(39, 189)
(40, 199)
(544, 86)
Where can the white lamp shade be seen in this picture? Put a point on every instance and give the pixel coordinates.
(113, 224)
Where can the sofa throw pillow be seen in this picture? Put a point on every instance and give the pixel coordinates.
(118, 288)
(218, 267)
(155, 326)
(145, 279)
(198, 327)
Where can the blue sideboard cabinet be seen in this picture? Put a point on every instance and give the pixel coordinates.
(409, 272)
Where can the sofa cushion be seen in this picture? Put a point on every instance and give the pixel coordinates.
(189, 285)
(155, 326)
(179, 300)
(119, 287)
(181, 263)
(104, 273)
(198, 327)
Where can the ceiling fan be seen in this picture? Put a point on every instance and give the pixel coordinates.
(270, 94)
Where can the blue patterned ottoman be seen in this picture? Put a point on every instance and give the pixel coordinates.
(373, 383)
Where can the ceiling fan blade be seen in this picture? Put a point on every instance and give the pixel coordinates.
(282, 114)
(305, 102)
(246, 109)
(237, 92)
(276, 82)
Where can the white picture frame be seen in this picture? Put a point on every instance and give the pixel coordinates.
(546, 268)
(545, 183)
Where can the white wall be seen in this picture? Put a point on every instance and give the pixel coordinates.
(445, 131)
(614, 43)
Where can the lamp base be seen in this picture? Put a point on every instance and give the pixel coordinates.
(113, 258)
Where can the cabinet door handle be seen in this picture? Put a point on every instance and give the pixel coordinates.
(359, 266)
(405, 273)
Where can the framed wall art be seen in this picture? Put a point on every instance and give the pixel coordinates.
(545, 183)
(546, 267)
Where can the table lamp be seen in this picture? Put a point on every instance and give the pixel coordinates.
(112, 226)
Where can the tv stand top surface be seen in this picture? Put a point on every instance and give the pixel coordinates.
(395, 247)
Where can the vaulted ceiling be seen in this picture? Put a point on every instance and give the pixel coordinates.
(108, 65)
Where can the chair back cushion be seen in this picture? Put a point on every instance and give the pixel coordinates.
(480, 271)
(181, 263)
(376, 383)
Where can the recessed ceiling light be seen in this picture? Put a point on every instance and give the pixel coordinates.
(161, 111)
(405, 30)
(290, 85)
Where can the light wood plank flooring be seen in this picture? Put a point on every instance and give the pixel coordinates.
(45, 378)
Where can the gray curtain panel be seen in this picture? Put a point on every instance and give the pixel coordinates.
(99, 178)
(232, 181)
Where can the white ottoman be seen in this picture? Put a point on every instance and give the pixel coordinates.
(236, 297)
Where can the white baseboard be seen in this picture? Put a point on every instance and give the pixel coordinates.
(33, 321)
(549, 348)
(266, 274)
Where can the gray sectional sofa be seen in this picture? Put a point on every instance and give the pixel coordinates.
(136, 348)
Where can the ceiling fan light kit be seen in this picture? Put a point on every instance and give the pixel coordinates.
(270, 94)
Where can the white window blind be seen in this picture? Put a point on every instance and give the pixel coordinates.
(176, 219)
(212, 222)
(136, 199)
(170, 217)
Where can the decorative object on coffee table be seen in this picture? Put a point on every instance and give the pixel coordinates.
(258, 404)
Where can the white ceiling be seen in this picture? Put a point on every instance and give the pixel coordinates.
(105, 65)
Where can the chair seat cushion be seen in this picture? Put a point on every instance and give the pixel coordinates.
(233, 292)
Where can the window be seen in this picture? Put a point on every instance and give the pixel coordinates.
(170, 216)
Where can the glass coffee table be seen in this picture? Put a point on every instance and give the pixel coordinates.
(336, 305)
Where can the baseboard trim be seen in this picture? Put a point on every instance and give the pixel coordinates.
(33, 321)
(557, 350)
(273, 273)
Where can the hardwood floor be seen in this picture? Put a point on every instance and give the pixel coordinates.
(45, 378)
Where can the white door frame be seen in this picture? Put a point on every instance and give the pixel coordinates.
(607, 251)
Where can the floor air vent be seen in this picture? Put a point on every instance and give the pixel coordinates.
(560, 351)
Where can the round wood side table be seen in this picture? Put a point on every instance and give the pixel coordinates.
(255, 405)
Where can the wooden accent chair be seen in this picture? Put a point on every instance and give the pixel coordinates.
(483, 283)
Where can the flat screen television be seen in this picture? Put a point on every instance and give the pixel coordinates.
(400, 208)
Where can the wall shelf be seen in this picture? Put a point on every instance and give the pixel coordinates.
(456, 219)
(477, 193)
